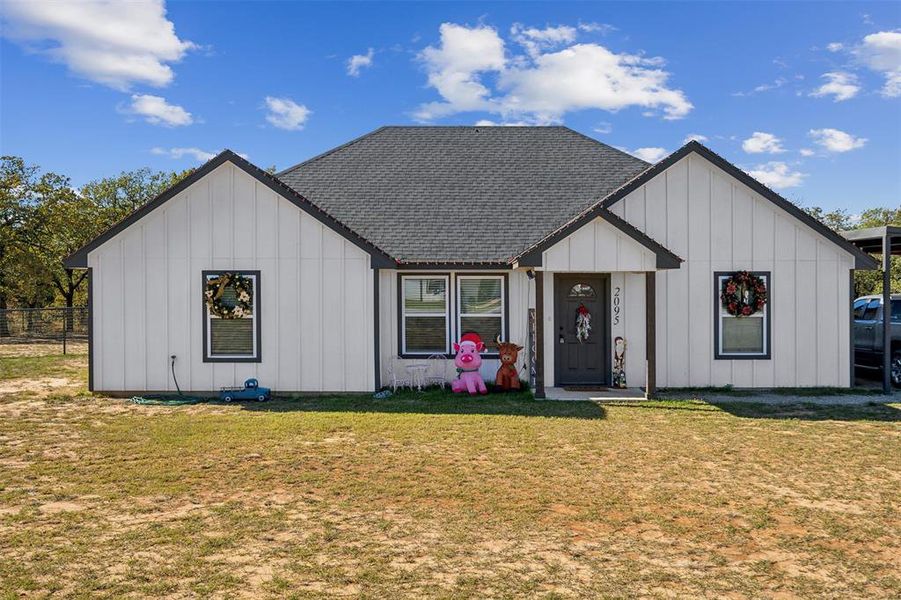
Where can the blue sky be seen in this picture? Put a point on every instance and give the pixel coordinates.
(805, 96)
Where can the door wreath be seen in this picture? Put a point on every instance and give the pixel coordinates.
(583, 323)
(743, 294)
(216, 287)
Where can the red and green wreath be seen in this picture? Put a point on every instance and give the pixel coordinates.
(215, 288)
(743, 294)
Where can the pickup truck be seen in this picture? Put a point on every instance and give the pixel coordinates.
(868, 334)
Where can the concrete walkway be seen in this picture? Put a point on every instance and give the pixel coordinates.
(555, 393)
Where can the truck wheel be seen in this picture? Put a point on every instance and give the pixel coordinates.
(261, 398)
(896, 368)
(228, 398)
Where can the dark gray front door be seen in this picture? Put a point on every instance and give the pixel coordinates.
(583, 362)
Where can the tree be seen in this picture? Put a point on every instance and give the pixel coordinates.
(17, 199)
(865, 282)
(43, 220)
(115, 197)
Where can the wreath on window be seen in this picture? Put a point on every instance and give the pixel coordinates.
(216, 287)
(743, 294)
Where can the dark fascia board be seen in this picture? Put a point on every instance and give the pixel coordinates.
(380, 259)
(665, 258)
(452, 266)
(862, 260)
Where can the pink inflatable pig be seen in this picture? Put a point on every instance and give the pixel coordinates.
(468, 362)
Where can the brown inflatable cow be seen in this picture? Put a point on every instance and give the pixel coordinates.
(507, 377)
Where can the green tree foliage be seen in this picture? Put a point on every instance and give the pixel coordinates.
(865, 282)
(43, 220)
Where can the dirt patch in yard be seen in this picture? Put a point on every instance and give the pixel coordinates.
(434, 496)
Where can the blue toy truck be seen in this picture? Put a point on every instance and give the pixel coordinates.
(250, 391)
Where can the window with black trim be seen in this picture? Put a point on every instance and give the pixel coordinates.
(425, 310)
(434, 309)
(237, 337)
(744, 336)
(480, 306)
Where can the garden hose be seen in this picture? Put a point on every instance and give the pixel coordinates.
(168, 399)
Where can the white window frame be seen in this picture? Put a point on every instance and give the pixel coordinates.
(722, 314)
(446, 314)
(460, 315)
(208, 355)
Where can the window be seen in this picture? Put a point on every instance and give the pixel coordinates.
(480, 306)
(872, 309)
(581, 290)
(741, 337)
(896, 310)
(859, 307)
(436, 309)
(424, 307)
(232, 340)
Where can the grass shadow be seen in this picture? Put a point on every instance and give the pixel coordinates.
(804, 411)
(435, 402)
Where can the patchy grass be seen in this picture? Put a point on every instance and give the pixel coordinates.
(440, 496)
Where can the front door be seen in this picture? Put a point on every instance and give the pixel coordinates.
(584, 361)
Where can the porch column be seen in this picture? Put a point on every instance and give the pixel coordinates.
(887, 313)
(650, 292)
(539, 334)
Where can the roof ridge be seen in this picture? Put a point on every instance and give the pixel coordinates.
(333, 150)
(605, 144)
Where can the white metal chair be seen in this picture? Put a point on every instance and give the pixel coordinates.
(395, 377)
(437, 374)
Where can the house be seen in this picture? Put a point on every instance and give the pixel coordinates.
(383, 251)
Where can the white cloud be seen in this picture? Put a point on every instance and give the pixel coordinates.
(113, 43)
(841, 85)
(176, 153)
(651, 155)
(196, 153)
(697, 137)
(541, 86)
(806, 152)
(835, 47)
(454, 67)
(357, 62)
(602, 28)
(155, 110)
(535, 40)
(285, 113)
(834, 140)
(603, 128)
(881, 52)
(761, 142)
(777, 175)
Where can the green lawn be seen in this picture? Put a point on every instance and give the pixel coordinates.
(440, 496)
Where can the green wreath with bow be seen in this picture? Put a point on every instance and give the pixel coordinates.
(215, 288)
(743, 294)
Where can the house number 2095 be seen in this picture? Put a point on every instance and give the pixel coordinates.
(617, 305)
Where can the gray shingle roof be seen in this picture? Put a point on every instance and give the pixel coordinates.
(461, 194)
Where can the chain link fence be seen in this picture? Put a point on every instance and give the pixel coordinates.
(47, 325)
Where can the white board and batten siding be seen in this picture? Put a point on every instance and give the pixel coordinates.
(599, 247)
(315, 293)
(716, 223)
